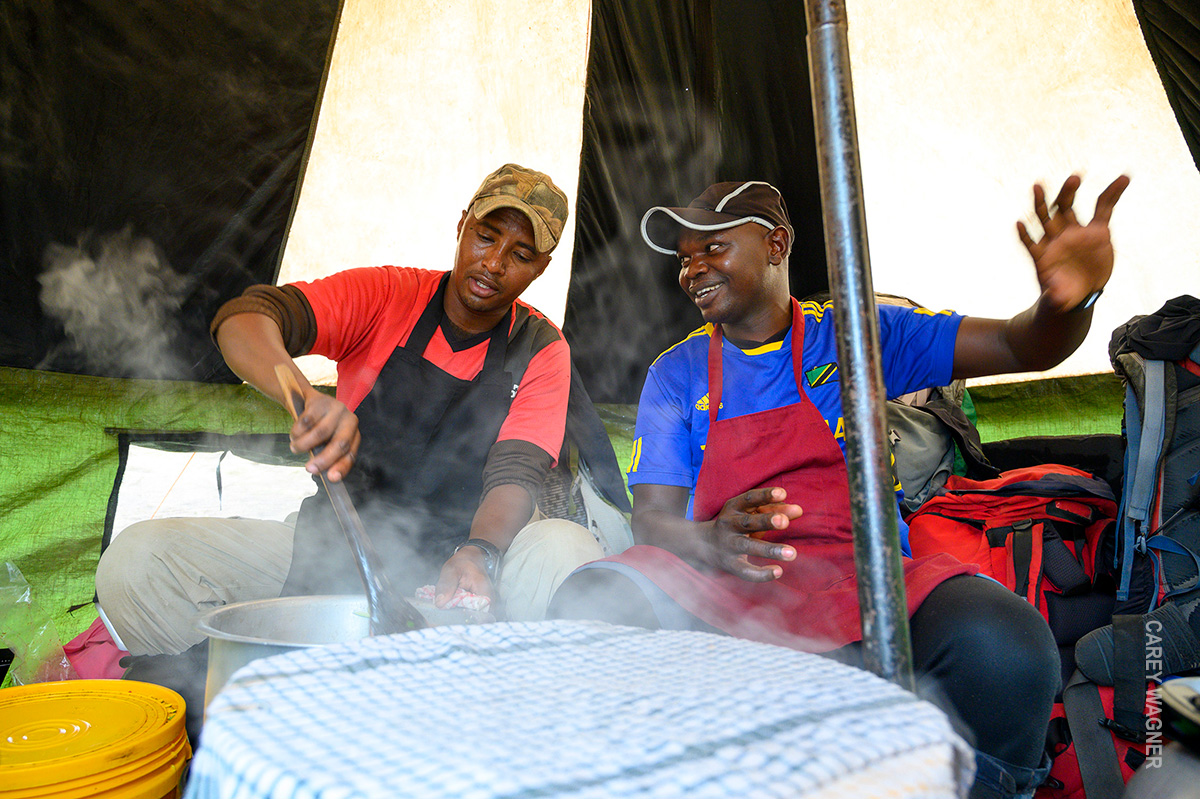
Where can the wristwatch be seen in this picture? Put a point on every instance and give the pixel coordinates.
(491, 555)
(1088, 301)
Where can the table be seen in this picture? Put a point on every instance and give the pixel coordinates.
(569, 709)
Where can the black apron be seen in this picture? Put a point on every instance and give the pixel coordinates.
(419, 472)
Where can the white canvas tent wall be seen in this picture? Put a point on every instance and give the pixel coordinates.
(959, 113)
(418, 107)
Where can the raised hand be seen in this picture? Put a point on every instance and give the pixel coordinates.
(1073, 260)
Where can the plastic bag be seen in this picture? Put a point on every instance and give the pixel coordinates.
(29, 632)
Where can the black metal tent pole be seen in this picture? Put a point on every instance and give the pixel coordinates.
(886, 643)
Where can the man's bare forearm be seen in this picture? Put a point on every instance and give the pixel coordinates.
(252, 345)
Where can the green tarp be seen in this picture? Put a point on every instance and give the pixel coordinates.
(60, 434)
(1065, 406)
(59, 459)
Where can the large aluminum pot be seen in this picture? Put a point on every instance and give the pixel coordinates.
(245, 631)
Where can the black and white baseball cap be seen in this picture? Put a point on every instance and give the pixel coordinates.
(721, 206)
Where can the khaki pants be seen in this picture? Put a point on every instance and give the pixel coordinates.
(158, 577)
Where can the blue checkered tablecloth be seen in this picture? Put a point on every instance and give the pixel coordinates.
(568, 709)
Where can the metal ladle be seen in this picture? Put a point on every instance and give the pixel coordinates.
(390, 612)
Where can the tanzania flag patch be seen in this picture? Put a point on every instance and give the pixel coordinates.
(820, 375)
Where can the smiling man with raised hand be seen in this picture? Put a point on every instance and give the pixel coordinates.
(451, 407)
(741, 504)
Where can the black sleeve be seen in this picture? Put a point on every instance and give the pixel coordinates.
(515, 462)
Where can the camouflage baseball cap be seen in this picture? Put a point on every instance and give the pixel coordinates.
(530, 192)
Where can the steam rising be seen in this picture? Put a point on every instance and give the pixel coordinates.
(118, 301)
(658, 148)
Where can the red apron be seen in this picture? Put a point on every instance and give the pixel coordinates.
(814, 605)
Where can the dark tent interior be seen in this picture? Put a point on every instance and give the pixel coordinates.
(185, 127)
(188, 128)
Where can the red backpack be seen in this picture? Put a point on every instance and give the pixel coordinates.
(1047, 533)
(1036, 530)
(1092, 755)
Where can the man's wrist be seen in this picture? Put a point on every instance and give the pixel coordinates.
(492, 556)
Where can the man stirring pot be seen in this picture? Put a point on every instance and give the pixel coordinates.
(450, 409)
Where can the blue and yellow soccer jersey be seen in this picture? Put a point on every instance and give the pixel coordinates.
(917, 351)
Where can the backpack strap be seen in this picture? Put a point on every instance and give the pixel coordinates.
(1129, 678)
(1141, 469)
(1060, 566)
(1098, 765)
(1027, 561)
(1163, 544)
(1154, 423)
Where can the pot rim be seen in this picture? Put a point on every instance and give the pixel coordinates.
(205, 623)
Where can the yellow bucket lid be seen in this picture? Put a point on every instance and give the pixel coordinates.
(54, 732)
(155, 776)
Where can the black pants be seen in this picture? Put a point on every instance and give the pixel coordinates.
(987, 658)
(981, 653)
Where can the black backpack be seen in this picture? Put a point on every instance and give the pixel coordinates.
(1158, 359)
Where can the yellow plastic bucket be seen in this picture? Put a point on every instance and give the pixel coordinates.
(101, 739)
